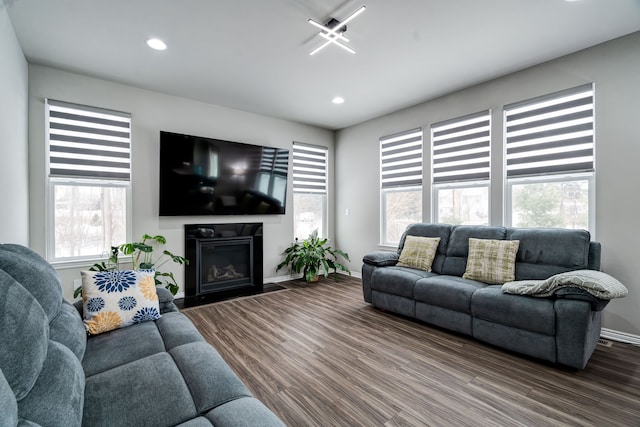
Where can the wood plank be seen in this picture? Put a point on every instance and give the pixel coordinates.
(318, 355)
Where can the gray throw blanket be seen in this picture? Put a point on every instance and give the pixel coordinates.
(597, 283)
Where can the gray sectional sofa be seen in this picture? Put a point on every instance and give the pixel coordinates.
(156, 373)
(562, 329)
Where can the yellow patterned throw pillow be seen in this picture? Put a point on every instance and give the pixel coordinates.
(492, 261)
(418, 252)
(115, 299)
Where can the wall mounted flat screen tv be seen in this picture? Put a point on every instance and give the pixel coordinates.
(206, 176)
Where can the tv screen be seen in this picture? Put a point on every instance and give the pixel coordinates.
(206, 176)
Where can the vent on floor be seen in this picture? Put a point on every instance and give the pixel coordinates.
(606, 343)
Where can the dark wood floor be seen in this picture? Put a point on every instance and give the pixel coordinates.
(318, 355)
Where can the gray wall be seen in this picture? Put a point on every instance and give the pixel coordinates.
(152, 112)
(14, 188)
(614, 67)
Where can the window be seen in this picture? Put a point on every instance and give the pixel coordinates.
(401, 183)
(460, 169)
(550, 160)
(89, 180)
(309, 190)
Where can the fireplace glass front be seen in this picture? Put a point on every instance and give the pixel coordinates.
(225, 264)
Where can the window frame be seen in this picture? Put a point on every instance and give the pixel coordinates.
(478, 123)
(50, 240)
(383, 218)
(556, 178)
(323, 192)
(546, 174)
(80, 181)
(459, 185)
(407, 181)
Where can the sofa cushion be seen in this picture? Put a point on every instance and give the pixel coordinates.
(24, 337)
(397, 280)
(67, 328)
(523, 312)
(121, 346)
(8, 404)
(131, 394)
(418, 252)
(116, 299)
(457, 250)
(208, 377)
(443, 231)
(245, 411)
(57, 396)
(450, 292)
(196, 422)
(176, 329)
(491, 261)
(545, 252)
(35, 274)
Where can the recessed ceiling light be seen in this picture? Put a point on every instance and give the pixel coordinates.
(338, 100)
(156, 44)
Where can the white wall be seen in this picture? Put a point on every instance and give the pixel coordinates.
(14, 184)
(614, 67)
(152, 112)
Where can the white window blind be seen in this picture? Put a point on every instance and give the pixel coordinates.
(551, 134)
(401, 159)
(309, 168)
(87, 142)
(462, 148)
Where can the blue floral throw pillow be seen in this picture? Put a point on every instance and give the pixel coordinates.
(115, 299)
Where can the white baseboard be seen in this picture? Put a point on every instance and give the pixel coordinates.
(279, 279)
(357, 274)
(624, 337)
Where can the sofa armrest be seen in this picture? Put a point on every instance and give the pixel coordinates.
(597, 304)
(381, 258)
(165, 300)
(577, 331)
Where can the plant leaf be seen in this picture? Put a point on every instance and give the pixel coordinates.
(160, 239)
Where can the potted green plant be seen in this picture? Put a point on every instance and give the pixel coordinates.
(143, 258)
(313, 257)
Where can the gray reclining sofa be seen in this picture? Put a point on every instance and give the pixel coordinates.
(156, 373)
(562, 329)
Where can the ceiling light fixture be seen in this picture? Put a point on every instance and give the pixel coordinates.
(156, 44)
(338, 100)
(333, 32)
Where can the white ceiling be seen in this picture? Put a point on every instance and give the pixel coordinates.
(253, 55)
